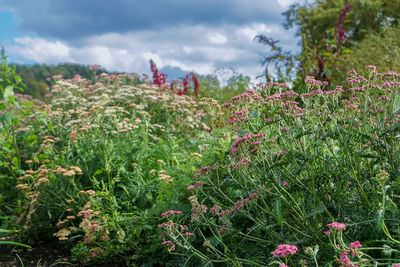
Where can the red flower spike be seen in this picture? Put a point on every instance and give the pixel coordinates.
(196, 83)
(159, 78)
(185, 84)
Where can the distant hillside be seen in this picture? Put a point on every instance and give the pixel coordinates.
(34, 76)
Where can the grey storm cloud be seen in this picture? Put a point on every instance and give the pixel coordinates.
(123, 35)
(70, 19)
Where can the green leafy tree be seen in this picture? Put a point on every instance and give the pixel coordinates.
(329, 30)
(378, 49)
(211, 87)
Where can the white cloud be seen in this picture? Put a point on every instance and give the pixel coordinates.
(192, 48)
(217, 38)
(286, 3)
(41, 50)
(252, 30)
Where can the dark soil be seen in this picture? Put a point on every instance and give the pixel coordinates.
(47, 254)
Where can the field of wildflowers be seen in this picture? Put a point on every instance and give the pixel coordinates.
(123, 170)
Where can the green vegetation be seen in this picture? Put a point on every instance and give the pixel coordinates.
(126, 170)
(332, 34)
(122, 172)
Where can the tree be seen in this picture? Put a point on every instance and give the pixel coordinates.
(330, 29)
(379, 49)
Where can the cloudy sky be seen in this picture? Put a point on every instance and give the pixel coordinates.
(123, 35)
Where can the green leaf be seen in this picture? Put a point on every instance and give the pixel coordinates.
(379, 220)
(396, 105)
(15, 161)
(377, 90)
(8, 231)
(278, 212)
(347, 51)
(20, 172)
(51, 127)
(327, 54)
(14, 243)
(9, 93)
(98, 172)
(31, 139)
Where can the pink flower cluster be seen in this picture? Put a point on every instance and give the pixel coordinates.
(94, 67)
(356, 79)
(337, 226)
(187, 234)
(87, 214)
(165, 214)
(284, 250)
(371, 67)
(281, 153)
(244, 139)
(390, 84)
(241, 162)
(169, 242)
(248, 96)
(94, 252)
(311, 80)
(287, 103)
(274, 98)
(357, 89)
(170, 225)
(196, 185)
(239, 116)
(289, 94)
(238, 205)
(353, 246)
(345, 261)
(201, 170)
(214, 209)
(270, 84)
(197, 211)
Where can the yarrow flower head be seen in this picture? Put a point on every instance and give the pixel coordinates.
(337, 226)
(165, 214)
(284, 250)
(353, 246)
(345, 260)
(169, 242)
(328, 232)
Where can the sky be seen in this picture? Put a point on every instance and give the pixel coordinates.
(181, 36)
